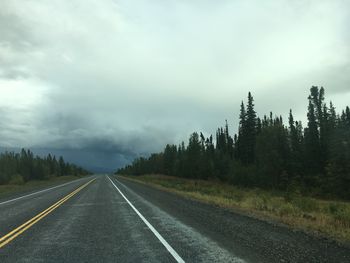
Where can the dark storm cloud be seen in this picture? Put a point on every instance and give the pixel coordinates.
(122, 78)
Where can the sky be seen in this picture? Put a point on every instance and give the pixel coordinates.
(104, 81)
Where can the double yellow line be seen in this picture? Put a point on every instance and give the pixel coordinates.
(19, 230)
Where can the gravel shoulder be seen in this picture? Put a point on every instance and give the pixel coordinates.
(247, 237)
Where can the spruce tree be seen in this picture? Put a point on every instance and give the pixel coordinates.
(240, 142)
(295, 140)
(247, 132)
(312, 146)
(250, 137)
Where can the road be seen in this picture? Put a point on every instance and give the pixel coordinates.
(104, 219)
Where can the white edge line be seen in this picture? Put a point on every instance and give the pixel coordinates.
(41, 191)
(155, 232)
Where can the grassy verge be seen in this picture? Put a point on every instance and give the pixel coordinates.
(10, 189)
(328, 218)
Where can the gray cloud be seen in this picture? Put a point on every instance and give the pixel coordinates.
(127, 77)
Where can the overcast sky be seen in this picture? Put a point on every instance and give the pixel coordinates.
(111, 80)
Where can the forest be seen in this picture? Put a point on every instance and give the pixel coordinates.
(24, 166)
(266, 152)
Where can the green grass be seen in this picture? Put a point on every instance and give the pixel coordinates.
(18, 186)
(325, 217)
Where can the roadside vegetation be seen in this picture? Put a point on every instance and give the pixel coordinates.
(265, 153)
(24, 187)
(282, 171)
(24, 169)
(325, 217)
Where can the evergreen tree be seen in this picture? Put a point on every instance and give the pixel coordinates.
(23, 167)
(312, 146)
(169, 157)
(62, 166)
(272, 156)
(240, 141)
(264, 152)
(316, 98)
(338, 169)
(247, 132)
(193, 157)
(295, 144)
(250, 131)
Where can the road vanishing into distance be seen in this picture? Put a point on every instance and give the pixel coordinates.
(107, 219)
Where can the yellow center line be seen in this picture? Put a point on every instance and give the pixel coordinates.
(19, 230)
(29, 221)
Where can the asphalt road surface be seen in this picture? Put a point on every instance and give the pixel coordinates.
(104, 219)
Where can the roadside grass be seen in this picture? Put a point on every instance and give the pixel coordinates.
(321, 217)
(17, 185)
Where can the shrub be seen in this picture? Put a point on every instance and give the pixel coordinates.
(306, 204)
(17, 180)
(4, 178)
(260, 202)
(341, 213)
(287, 209)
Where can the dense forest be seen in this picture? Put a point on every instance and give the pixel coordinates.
(24, 166)
(266, 152)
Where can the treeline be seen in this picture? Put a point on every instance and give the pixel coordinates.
(24, 166)
(266, 153)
